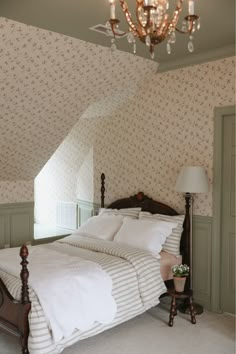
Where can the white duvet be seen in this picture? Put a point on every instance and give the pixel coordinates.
(73, 292)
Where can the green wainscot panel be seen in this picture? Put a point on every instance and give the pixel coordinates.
(202, 255)
(16, 224)
(2, 231)
(86, 210)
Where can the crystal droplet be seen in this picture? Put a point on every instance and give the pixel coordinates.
(194, 28)
(152, 55)
(134, 48)
(108, 25)
(190, 46)
(168, 48)
(184, 27)
(167, 5)
(148, 40)
(113, 45)
(198, 24)
(130, 37)
(173, 37)
(108, 29)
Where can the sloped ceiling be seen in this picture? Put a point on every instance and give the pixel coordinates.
(47, 82)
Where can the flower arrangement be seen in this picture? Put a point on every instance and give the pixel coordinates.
(180, 270)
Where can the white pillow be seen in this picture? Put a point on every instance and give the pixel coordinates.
(172, 243)
(104, 227)
(144, 234)
(127, 212)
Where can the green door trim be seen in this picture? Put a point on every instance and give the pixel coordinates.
(219, 114)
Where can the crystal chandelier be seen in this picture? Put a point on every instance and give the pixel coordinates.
(154, 24)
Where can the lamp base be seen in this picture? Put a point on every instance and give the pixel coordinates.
(184, 308)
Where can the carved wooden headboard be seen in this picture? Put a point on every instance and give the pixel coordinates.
(148, 204)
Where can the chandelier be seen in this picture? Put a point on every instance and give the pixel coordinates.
(154, 24)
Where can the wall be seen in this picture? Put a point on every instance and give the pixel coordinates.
(121, 118)
(142, 145)
(16, 191)
(168, 123)
(16, 213)
(47, 82)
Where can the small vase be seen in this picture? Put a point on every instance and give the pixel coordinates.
(179, 283)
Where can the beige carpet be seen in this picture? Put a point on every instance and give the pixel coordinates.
(149, 334)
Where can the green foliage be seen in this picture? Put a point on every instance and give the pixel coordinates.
(181, 270)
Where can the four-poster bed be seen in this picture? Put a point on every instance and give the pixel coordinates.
(14, 313)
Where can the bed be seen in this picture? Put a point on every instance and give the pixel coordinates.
(133, 288)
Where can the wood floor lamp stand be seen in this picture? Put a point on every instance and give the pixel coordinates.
(184, 307)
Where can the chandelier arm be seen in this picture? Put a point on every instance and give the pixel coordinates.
(113, 23)
(117, 34)
(176, 14)
(139, 4)
(190, 19)
(148, 19)
(141, 29)
(128, 17)
(184, 32)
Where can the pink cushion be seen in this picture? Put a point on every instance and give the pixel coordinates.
(167, 261)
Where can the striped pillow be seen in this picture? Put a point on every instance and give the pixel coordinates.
(132, 213)
(172, 243)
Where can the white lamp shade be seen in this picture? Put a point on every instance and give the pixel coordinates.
(192, 179)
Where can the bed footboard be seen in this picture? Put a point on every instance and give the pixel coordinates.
(13, 313)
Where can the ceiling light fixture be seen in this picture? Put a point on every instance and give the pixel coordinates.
(153, 23)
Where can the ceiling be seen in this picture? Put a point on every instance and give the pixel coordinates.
(216, 38)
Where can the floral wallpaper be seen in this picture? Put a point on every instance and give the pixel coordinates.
(142, 145)
(47, 82)
(88, 110)
(16, 191)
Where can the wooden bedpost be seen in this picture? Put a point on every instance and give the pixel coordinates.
(186, 246)
(24, 274)
(102, 190)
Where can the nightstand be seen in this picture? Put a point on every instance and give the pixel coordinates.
(173, 309)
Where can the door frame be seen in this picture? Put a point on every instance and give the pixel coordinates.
(219, 114)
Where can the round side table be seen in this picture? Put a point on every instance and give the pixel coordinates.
(173, 309)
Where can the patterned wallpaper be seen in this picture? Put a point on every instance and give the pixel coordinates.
(16, 192)
(138, 129)
(47, 82)
(143, 144)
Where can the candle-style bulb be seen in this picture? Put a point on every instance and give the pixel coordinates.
(112, 9)
(149, 2)
(191, 7)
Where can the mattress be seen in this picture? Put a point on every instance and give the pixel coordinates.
(167, 261)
